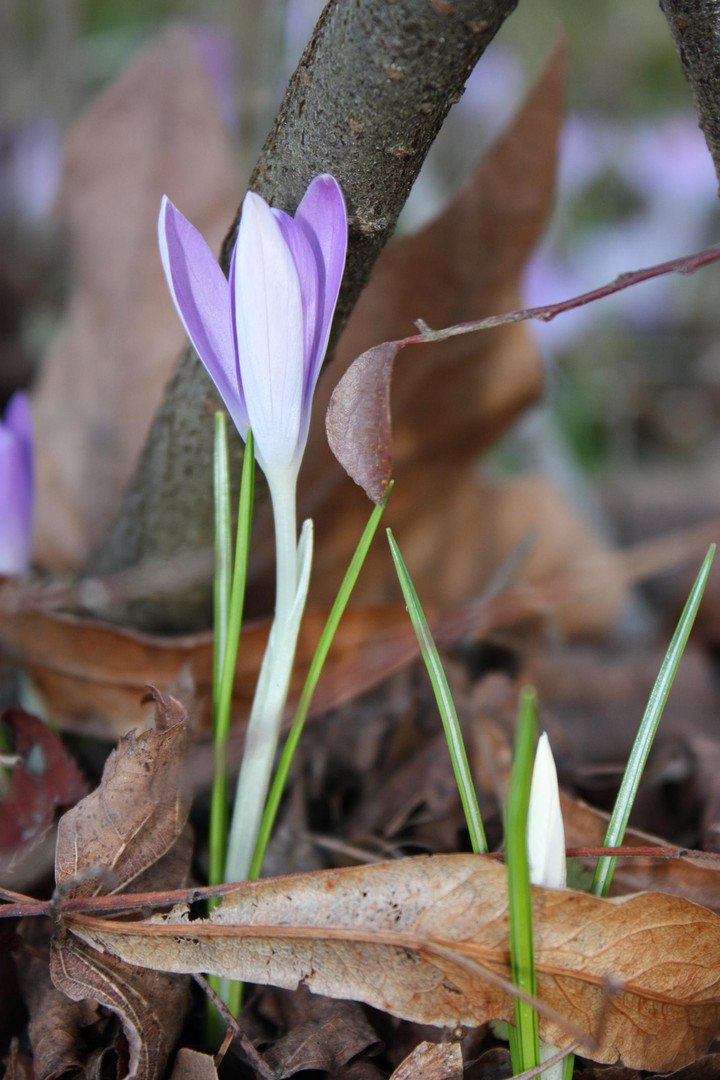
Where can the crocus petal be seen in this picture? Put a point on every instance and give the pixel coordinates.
(545, 832)
(268, 315)
(322, 215)
(306, 265)
(18, 420)
(16, 487)
(202, 298)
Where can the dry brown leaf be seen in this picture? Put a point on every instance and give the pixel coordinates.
(453, 399)
(45, 780)
(432, 1061)
(105, 373)
(324, 1034)
(151, 1007)
(132, 828)
(705, 1068)
(131, 820)
(360, 1069)
(19, 1066)
(55, 1022)
(192, 1065)
(421, 938)
(694, 878)
(92, 674)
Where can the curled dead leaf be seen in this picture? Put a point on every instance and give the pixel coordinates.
(132, 828)
(358, 420)
(131, 820)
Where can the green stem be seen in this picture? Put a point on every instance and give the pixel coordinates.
(520, 916)
(223, 553)
(226, 675)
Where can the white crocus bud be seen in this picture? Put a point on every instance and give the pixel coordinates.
(545, 833)
(545, 840)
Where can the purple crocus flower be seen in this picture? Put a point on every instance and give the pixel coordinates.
(262, 335)
(16, 486)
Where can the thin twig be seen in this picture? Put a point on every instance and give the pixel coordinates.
(106, 905)
(685, 264)
(238, 1035)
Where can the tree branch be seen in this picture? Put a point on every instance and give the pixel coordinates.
(695, 29)
(367, 99)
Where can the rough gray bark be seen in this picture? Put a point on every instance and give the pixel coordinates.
(367, 99)
(695, 29)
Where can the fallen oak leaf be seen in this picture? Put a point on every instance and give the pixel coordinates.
(358, 416)
(426, 939)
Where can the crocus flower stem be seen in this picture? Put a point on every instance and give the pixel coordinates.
(266, 715)
(283, 497)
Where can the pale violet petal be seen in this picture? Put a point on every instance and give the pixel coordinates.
(267, 312)
(18, 420)
(323, 217)
(202, 297)
(306, 264)
(16, 487)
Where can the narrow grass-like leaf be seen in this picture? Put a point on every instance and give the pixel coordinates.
(444, 700)
(646, 732)
(223, 552)
(326, 638)
(524, 1046)
(221, 705)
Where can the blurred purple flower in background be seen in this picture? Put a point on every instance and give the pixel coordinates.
(16, 486)
(664, 174)
(262, 335)
(30, 164)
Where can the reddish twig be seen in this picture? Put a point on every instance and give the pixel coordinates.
(135, 901)
(685, 264)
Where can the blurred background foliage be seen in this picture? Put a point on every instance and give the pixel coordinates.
(634, 382)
